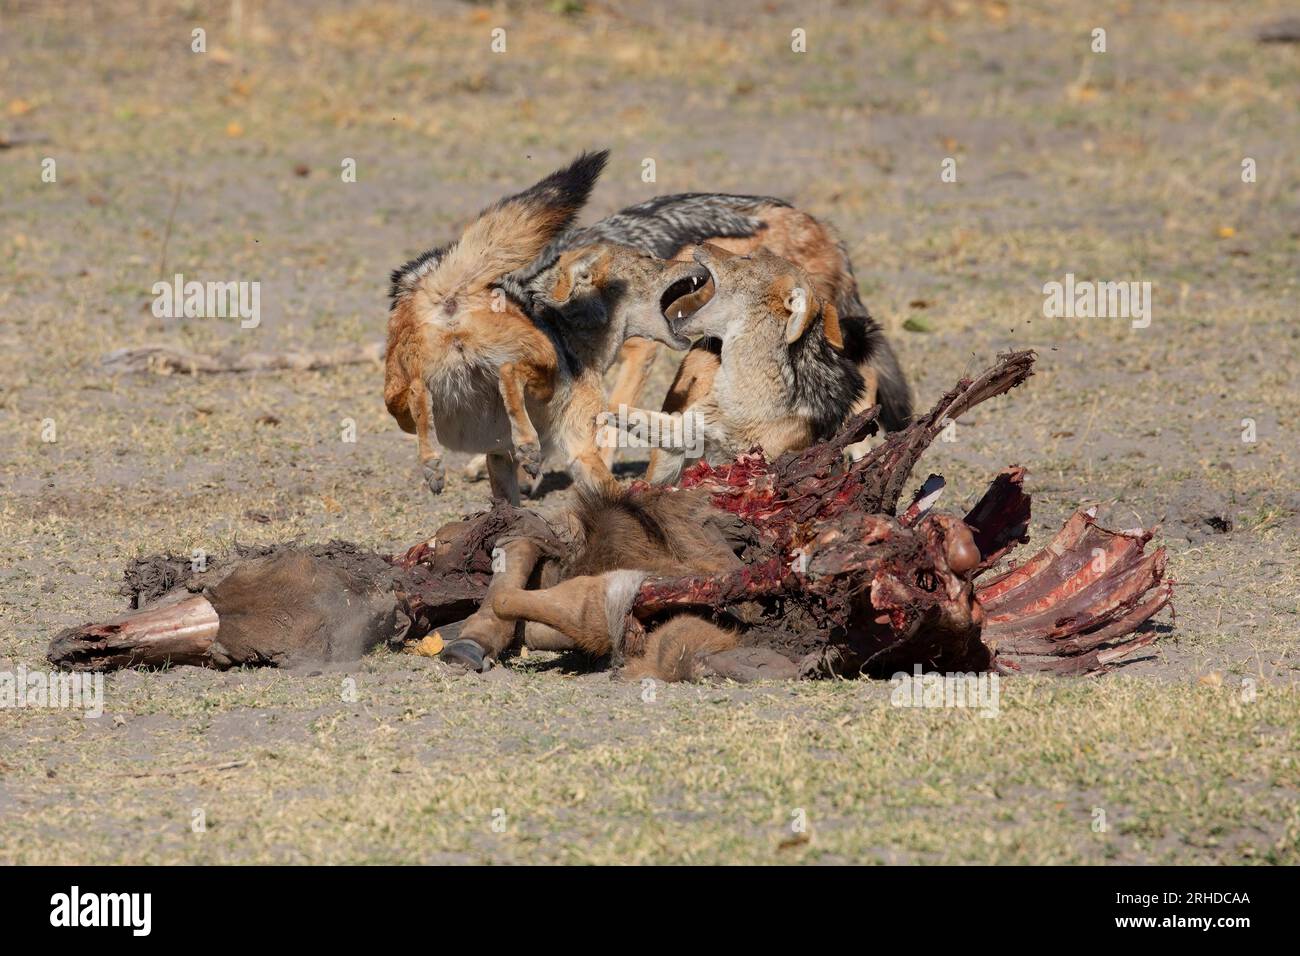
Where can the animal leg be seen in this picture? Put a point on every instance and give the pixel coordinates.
(184, 632)
(513, 564)
(503, 476)
(693, 381)
(476, 470)
(430, 455)
(590, 609)
(870, 382)
(635, 360)
(527, 449)
(543, 637)
(579, 433)
(672, 438)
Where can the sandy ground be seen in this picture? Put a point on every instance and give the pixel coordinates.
(225, 166)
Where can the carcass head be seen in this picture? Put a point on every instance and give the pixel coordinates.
(908, 599)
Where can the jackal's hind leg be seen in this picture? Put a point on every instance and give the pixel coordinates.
(430, 455)
(527, 448)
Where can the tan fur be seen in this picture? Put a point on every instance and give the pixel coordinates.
(466, 365)
(663, 531)
(673, 650)
(870, 385)
(798, 238)
(787, 233)
(635, 360)
(692, 382)
(741, 397)
(520, 557)
(604, 295)
(792, 235)
(447, 350)
(660, 531)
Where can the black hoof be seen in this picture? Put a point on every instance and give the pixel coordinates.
(465, 653)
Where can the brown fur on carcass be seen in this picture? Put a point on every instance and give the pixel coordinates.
(279, 605)
(294, 607)
(663, 531)
(676, 650)
(659, 530)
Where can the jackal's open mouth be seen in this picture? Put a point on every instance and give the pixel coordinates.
(687, 294)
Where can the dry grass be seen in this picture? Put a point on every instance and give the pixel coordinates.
(1113, 167)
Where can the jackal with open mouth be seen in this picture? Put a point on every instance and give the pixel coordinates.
(498, 342)
(669, 227)
(774, 366)
(482, 368)
(585, 265)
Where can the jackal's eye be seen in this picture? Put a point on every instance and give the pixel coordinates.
(583, 277)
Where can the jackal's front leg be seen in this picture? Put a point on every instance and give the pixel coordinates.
(583, 437)
(690, 387)
(636, 358)
(527, 449)
(672, 437)
(430, 454)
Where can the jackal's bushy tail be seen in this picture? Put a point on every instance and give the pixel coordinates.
(512, 232)
(507, 235)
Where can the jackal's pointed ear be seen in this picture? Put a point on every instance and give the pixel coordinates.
(802, 308)
(797, 306)
(573, 270)
(831, 327)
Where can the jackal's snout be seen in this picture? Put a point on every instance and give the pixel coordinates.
(684, 289)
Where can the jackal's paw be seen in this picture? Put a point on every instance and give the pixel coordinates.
(529, 457)
(435, 475)
(476, 470)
